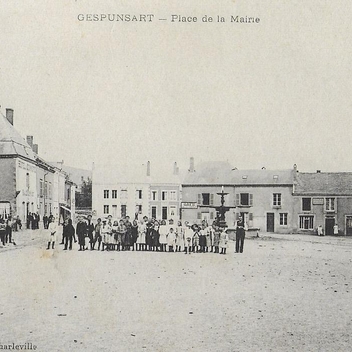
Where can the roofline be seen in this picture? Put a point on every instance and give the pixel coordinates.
(14, 156)
(237, 185)
(323, 194)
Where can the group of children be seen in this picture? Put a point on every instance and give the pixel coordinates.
(145, 234)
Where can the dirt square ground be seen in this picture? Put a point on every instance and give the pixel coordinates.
(284, 293)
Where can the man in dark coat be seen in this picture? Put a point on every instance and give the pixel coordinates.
(81, 231)
(240, 234)
(90, 232)
(69, 234)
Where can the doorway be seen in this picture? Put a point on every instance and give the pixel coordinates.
(270, 217)
(329, 226)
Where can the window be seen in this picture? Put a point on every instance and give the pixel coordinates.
(123, 210)
(139, 207)
(106, 209)
(244, 199)
(50, 190)
(330, 204)
(154, 195)
(41, 188)
(27, 181)
(114, 211)
(124, 194)
(205, 199)
(306, 204)
(46, 189)
(306, 222)
(154, 212)
(139, 194)
(106, 193)
(114, 193)
(173, 195)
(164, 195)
(283, 219)
(164, 213)
(277, 199)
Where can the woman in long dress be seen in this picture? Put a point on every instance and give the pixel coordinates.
(142, 227)
(163, 230)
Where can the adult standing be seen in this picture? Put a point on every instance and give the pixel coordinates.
(336, 229)
(90, 231)
(9, 224)
(81, 231)
(69, 234)
(2, 231)
(240, 234)
(97, 237)
(134, 232)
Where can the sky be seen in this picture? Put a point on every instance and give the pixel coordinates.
(270, 94)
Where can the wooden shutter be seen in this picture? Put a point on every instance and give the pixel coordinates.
(199, 199)
(250, 216)
(211, 200)
(250, 199)
(211, 215)
(237, 199)
(199, 215)
(237, 216)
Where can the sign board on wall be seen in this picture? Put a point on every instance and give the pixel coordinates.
(189, 205)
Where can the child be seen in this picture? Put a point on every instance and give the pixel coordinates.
(114, 236)
(52, 233)
(216, 238)
(105, 232)
(171, 239)
(188, 235)
(223, 241)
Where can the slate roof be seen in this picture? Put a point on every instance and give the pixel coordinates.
(323, 183)
(210, 173)
(11, 142)
(222, 173)
(134, 173)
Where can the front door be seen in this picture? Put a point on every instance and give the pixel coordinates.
(270, 222)
(349, 225)
(329, 226)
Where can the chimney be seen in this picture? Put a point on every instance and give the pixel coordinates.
(191, 165)
(30, 141)
(35, 148)
(9, 116)
(295, 167)
(175, 168)
(148, 168)
(318, 171)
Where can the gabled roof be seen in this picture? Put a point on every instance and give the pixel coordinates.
(134, 173)
(323, 183)
(262, 177)
(11, 142)
(222, 173)
(210, 173)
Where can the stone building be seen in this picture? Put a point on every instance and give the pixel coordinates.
(28, 183)
(18, 191)
(322, 198)
(130, 190)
